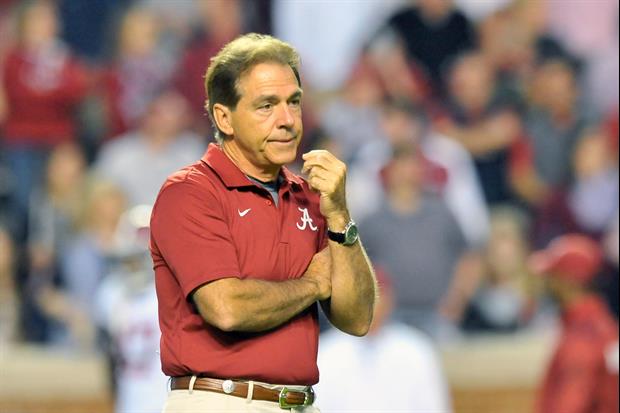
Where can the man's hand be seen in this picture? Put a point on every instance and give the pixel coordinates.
(346, 270)
(319, 272)
(327, 175)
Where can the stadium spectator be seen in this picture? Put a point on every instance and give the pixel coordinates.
(84, 261)
(433, 32)
(66, 300)
(55, 208)
(139, 72)
(221, 21)
(140, 160)
(400, 78)
(53, 215)
(505, 299)
(448, 169)
(593, 196)
(583, 373)
(43, 85)
(353, 118)
(541, 163)
(553, 126)
(414, 236)
(484, 124)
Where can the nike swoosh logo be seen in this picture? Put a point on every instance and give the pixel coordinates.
(243, 213)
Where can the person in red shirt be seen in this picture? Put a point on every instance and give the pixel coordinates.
(43, 84)
(583, 374)
(220, 22)
(243, 249)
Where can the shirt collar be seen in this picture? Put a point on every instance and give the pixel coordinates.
(230, 173)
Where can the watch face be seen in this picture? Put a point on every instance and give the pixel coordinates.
(351, 235)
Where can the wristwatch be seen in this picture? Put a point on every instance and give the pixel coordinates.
(347, 237)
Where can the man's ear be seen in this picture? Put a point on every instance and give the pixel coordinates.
(222, 118)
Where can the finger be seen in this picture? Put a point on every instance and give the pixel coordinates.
(327, 187)
(319, 157)
(323, 173)
(319, 184)
(330, 178)
(316, 153)
(333, 165)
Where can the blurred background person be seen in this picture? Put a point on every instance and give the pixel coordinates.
(480, 120)
(53, 215)
(65, 299)
(142, 67)
(140, 160)
(395, 359)
(432, 32)
(448, 170)
(593, 195)
(219, 21)
(43, 85)
(583, 373)
(541, 165)
(126, 310)
(506, 297)
(84, 261)
(352, 119)
(415, 237)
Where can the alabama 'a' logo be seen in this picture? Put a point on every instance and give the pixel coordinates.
(306, 221)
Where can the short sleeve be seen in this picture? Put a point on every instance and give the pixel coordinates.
(189, 230)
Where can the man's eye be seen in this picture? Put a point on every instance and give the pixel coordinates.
(266, 106)
(295, 102)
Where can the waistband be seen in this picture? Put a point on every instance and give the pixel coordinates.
(284, 396)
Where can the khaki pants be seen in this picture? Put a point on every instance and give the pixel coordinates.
(200, 401)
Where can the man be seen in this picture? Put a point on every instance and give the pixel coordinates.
(243, 249)
(415, 237)
(583, 374)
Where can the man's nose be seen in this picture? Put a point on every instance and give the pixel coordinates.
(285, 116)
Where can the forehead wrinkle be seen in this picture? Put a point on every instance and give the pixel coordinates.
(271, 97)
(266, 79)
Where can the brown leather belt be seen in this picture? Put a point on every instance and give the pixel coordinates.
(285, 397)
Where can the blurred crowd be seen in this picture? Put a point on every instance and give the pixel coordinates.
(474, 132)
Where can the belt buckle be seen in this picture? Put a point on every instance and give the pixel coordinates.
(308, 399)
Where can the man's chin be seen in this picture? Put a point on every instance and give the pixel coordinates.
(282, 156)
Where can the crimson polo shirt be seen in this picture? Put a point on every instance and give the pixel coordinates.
(211, 222)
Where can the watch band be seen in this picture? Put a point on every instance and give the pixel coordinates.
(347, 237)
(336, 236)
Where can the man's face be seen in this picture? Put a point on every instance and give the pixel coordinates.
(266, 123)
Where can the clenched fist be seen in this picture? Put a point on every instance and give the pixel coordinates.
(327, 175)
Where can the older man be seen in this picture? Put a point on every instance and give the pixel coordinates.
(243, 248)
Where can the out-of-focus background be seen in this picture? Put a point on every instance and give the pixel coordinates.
(475, 132)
